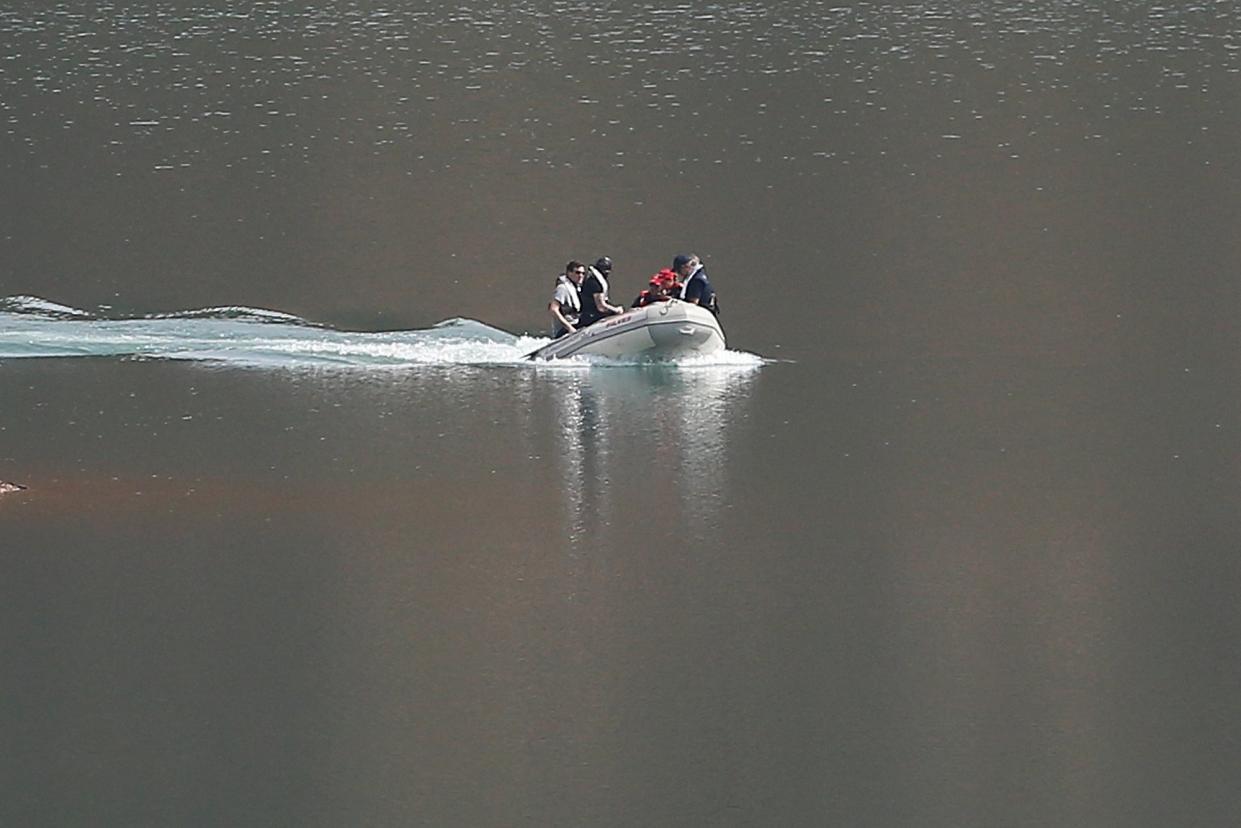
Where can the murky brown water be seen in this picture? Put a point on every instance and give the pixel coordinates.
(966, 556)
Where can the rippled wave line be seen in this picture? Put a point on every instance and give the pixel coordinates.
(32, 327)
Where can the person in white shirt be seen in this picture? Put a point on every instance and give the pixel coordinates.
(566, 302)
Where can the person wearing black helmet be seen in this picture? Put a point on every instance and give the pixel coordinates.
(595, 302)
(695, 286)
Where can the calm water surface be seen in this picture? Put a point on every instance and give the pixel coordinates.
(949, 537)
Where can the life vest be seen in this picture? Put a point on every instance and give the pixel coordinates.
(570, 304)
(574, 306)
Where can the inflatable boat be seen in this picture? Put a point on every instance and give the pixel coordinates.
(659, 331)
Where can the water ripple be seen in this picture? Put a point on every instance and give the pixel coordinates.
(265, 84)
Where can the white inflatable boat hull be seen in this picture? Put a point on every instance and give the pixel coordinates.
(660, 331)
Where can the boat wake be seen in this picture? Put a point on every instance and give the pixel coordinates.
(31, 327)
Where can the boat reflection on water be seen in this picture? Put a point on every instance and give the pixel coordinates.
(644, 440)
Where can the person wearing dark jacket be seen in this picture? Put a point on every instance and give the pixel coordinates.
(595, 302)
(696, 286)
